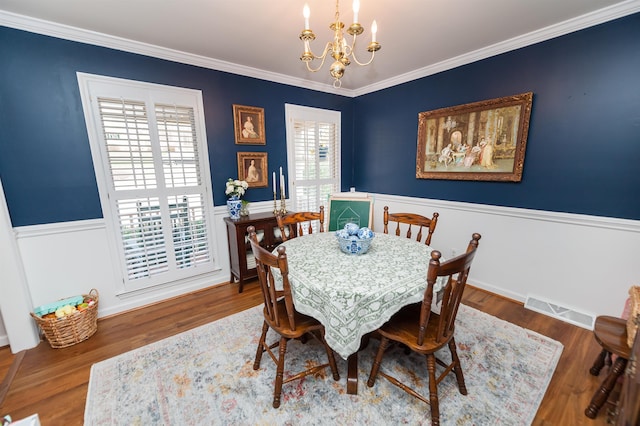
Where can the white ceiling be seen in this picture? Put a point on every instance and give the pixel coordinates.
(259, 38)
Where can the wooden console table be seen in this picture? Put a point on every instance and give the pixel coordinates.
(241, 260)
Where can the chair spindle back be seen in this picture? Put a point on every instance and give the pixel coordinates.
(411, 220)
(270, 266)
(294, 224)
(457, 271)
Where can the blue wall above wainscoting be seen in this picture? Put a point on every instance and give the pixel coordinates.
(583, 150)
(45, 158)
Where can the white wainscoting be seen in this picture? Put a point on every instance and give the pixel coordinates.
(583, 262)
(586, 263)
(71, 258)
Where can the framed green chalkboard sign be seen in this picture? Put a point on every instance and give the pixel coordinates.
(344, 210)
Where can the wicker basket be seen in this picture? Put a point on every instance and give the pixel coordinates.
(71, 329)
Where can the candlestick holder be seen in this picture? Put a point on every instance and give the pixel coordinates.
(283, 206)
(275, 206)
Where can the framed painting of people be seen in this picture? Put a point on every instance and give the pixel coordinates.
(248, 123)
(252, 167)
(483, 141)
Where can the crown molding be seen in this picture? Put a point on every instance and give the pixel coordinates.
(66, 32)
(572, 25)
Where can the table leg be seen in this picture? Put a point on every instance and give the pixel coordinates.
(352, 374)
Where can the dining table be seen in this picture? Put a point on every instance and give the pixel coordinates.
(354, 294)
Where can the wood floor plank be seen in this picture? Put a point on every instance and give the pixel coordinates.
(53, 382)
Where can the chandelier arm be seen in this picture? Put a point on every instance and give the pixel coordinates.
(352, 52)
(323, 57)
(353, 56)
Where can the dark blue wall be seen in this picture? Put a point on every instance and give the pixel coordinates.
(583, 150)
(582, 155)
(45, 158)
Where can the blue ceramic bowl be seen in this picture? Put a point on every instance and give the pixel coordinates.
(354, 245)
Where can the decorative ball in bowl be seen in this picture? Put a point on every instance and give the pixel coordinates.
(354, 240)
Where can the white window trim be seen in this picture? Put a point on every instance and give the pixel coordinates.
(293, 112)
(89, 84)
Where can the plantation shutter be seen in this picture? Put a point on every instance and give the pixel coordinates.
(313, 139)
(157, 188)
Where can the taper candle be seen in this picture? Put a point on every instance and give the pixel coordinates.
(274, 183)
(283, 186)
(306, 12)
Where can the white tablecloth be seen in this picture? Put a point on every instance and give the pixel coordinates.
(352, 295)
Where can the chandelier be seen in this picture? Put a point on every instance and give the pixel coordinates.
(341, 52)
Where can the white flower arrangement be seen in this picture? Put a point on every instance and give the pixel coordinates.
(236, 188)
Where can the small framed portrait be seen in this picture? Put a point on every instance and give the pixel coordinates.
(252, 167)
(248, 123)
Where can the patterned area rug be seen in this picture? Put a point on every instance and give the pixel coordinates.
(205, 376)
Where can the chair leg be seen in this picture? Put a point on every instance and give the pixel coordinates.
(601, 395)
(433, 390)
(261, 344)
(279, 373)
(457, 367)
(384, 342)
(599, 362)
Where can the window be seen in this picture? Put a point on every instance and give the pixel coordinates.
(150, 156)
(313, 155)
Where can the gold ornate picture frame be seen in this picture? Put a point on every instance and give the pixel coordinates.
(484, 141)
(253, 167)
(248, 123)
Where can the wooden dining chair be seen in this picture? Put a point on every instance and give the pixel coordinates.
(426, 332)
(611, 334)
(293, 224)
(281, 316)
(615, 336)
(411, 219)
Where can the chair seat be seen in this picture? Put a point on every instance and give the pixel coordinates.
(404, 326)
(611, 334)
(304, 323)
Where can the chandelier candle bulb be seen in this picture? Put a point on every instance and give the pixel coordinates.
(356, 9)
(306, 13)
(374, 30)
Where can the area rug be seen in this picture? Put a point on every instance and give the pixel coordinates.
(204, 376)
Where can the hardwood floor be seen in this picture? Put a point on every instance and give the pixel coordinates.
(53, 382)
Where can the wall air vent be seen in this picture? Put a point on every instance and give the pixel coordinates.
(563, 313)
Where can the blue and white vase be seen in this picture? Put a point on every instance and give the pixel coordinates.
(234, 204)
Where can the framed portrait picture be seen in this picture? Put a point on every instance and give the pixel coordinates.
(252, 167)
(248, 123)
(483, 141)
